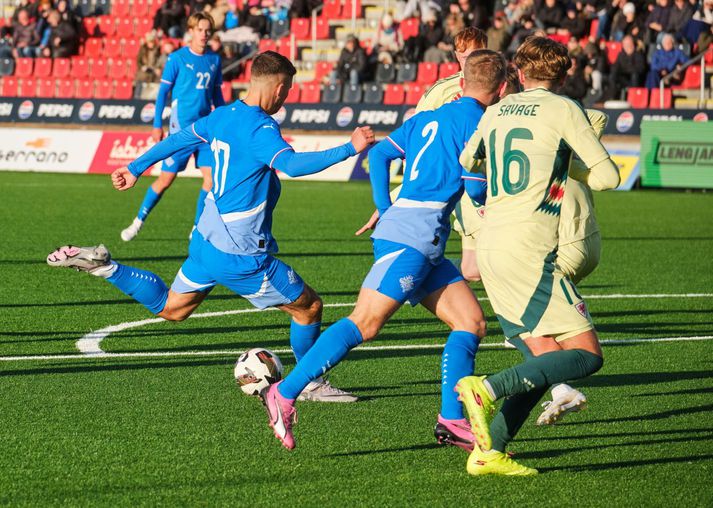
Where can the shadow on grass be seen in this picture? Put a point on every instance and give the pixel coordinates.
(608, 435)
(626, 464)
(414, 448)
(76, 369)
(652, 416)
(644, 378)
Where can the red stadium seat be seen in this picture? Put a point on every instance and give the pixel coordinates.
(322, 69)
(117, 68)
(331, 9)
(84, 89)
(65, 89)
(61, 67)
(103, 88)
(90, 26)
(394, 95)
(131, 67)
(125, 28)
(267, 45)
(121, 9)
(300, 28)
(112, 47)
(613, 50)
(321, 26)
(708, 57)
(310, 93)
(409, 28)
(638, 97)
(691, 80)
(593, 28)
(80, 67)
(226, 88)
(347, 9)
(43, 68)
(294, 94)
(93, 48)
(9, 86)
(46, 88)
(27, 88)
(447, 69)
(286, 48)
(143, 26)
(414, 93)
(99, 68)
(24, 67)
(106, 25)
(124, 90)
(131, 48)
(141, 9)
(427, 73)
(245, 74)
(655, 100)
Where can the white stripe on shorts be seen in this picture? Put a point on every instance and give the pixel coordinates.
(188, 282)
(410, 203)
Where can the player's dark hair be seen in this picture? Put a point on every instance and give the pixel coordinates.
(271, 63)
(513, 81)
(197, 17)
(485, 69)
(542, 59)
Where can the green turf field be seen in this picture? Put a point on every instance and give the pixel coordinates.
(175, 430)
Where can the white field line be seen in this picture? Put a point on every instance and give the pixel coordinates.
(90, 344)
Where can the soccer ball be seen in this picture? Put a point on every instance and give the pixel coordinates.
(256, 369)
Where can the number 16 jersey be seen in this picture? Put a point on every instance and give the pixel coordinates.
(528, 139)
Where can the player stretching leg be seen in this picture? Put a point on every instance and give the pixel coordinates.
(528, 139)
(233, 243)
(193, 76)
(409, 241)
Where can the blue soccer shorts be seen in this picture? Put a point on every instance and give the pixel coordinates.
(263, 280)
(178, 161)
(404, 274)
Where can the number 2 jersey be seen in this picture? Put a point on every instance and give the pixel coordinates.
(527, 140)
(195, 81)
(431, 142)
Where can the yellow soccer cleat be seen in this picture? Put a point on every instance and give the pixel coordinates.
(495, 462)
(480, 407)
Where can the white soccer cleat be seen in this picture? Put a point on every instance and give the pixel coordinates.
(320, 390)
(130, 233)
(82, 259)
(565, 399)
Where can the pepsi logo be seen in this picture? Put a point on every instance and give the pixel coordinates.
(625, 121)
(148, 112)
(280, 116)
(86, 111)
(701, 117)
(25, 110)
(345, 116)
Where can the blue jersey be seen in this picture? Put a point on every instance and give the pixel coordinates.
(195, 81)
(431, 143)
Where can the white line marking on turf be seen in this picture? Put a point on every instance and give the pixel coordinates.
(90, 344)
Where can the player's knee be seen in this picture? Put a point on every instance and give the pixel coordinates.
(369, 328)
(313, 310)
(590, 362)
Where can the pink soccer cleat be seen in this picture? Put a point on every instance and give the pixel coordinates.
(281, 414)
(454, 433)
(84, 259)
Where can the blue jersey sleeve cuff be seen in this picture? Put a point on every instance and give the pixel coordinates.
(134, 170)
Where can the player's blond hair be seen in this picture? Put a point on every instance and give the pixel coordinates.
(468, 38)
(197, 17)
(485, 69)
(542, 59)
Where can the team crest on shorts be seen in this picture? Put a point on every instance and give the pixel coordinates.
(406, 283)
(581, 308)
(291, 277)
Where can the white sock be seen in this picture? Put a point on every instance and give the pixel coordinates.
(105, 271)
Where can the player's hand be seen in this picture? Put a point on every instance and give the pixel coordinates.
(157, 134)
(370, 224)
(122, 179)
(362, 137)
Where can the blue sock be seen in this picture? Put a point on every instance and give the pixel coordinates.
(150, 200)
(145, 287)
(333, 345)
(200, 205)
(458, 361)
(303, 337)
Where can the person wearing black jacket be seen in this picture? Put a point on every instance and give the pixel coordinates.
(63, 40)
(352, 63)
(629, 69)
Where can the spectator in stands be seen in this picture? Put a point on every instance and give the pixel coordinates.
(199, 5)
(303, 8)
(666, 60)
(628, 70)
(254, 18)
(232, 17)
(68, 15)
(704, 16)
(351, 65)
(574, 86)
(549, 15)
(575, 50)
(43, 9)
(218, 11)
(680, 14)
(231, 70)
(518, 11)
(166, 49)
(5, 42)
(389, 42)
(499, 33)
(573, 24)
(407, 8)
(63, 37)
(525, 29)
(25, 5)
(148, 60)
(170, 18)
(26, 41)
(215, 44)
(626, 22)
(595, 67)
(657, 21)
(443, 51)
(473, 12)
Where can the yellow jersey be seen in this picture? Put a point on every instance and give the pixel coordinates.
(443, 91)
